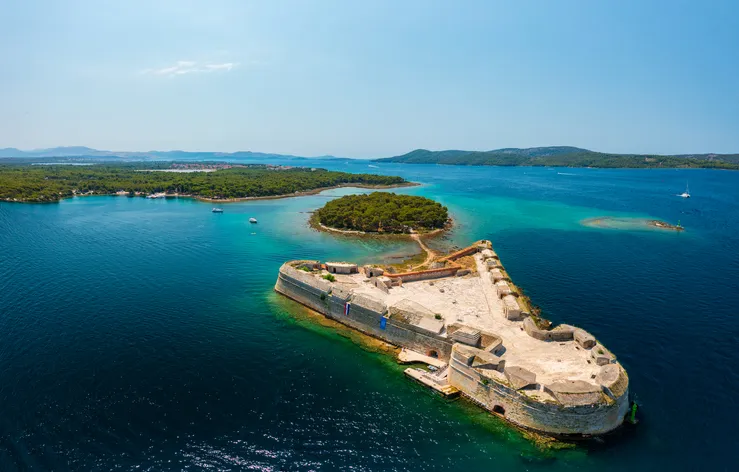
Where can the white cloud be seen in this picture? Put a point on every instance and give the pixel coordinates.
(190, 67)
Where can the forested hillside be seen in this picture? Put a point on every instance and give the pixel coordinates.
(54, 182)
(564, 156)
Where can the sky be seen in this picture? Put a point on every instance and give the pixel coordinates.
(370, 78)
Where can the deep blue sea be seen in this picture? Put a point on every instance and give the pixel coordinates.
(145, 335)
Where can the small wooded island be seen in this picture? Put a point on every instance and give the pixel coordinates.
(210, 181)
(382, 212)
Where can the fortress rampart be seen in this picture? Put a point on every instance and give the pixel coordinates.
(559, 381)
(365, 314)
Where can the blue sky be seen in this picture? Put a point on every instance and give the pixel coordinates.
(370, 78)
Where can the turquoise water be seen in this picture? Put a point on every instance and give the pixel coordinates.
(145, 333)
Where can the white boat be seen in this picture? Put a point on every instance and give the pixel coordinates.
(252, 220)
(217, 210)
(686, 193)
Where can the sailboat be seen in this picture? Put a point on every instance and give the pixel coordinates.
(686, 193)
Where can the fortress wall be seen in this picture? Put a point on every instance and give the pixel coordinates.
(301, 292)
(363, 319)
(396, 332)
(543, 416)
(560, 333)
(461, 253)
(425, 274)
(546, 416)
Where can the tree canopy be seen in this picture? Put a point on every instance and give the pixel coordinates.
(564, 156)
(50, 183)
(383, 212)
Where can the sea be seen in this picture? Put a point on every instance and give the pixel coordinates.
(140, 334)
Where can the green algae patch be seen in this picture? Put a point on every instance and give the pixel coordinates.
(312, 320)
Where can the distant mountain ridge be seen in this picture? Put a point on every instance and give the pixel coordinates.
(83, 151)
(547, 156)
(564, 156)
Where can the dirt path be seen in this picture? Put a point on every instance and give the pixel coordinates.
(430, 253)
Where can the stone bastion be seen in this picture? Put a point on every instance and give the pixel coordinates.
(555, 380)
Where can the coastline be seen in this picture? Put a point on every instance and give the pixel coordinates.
(430, 254)
(304, 193)
(227, 200)
(312, 221)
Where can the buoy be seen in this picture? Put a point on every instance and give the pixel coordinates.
(632, 416)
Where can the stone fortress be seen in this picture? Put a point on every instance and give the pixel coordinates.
(463, 316)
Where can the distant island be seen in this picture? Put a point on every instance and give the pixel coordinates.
(209, 181)
(611, 222)
(177, 155)
(550, 156)
(565, 156)
(382, 212)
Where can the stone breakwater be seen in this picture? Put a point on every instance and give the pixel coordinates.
(559, 381)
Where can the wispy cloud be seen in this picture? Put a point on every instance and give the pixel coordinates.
(190, 67)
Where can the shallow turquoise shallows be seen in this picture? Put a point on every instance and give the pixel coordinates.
(146, 333)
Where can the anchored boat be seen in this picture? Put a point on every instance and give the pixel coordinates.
(217, 210)
(252, 220)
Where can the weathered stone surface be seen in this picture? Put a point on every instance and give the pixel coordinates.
(531, 329)
(612, 378)
(601, 355)
(382, 285)
(372, 271)
(429, 324)
(490, 342)
(341, 292)
(462, 354)
(519, 377)
(466, 335)
(368, 302)
(574, 392)
(409, 309)
(584, 339)
(511, 308)
(496, 275)
(485, 361)
(562, 333)
(341, 268)
(415, 314)
(502, 288)
(307, 278)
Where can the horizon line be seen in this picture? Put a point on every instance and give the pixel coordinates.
(343, 157)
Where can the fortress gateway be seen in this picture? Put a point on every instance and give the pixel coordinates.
(464, 316)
